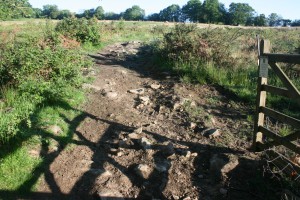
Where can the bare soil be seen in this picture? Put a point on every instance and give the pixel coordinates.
(163, 140)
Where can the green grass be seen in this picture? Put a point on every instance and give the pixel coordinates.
(16, 168)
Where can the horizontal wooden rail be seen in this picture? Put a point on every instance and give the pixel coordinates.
(285, 79)
(283, 141)
(292, 137)
(276, 90)
(286, 58)
(281, 117)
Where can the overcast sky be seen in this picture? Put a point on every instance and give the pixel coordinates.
(289, 9)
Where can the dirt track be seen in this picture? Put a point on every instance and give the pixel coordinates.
(169, 141)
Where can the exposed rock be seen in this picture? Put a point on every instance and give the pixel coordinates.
(143, 171)
(162, 167)
(110, 194)
(145, 99)
(145, 143)
(111, 95)
(155, 86)
(193, 125)
(91, 87)
(56, 130)
(137, 91)
(211, 133)
(230, 166)
(168, 149)
(176, 106)
(134, 136)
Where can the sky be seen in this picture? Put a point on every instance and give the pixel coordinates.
(288, 9)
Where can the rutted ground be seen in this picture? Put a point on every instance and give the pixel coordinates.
(145, 135)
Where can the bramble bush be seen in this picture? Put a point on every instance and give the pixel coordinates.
(35, 70)
(83, 30)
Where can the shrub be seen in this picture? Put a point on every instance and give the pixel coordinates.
(83, 30)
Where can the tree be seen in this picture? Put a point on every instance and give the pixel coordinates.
(260, 20)
(134, 13)
(154, 17)
(192, 11)
(240, 13)
(224, 15)
(111, 16)
(274, 19)
(50, 11)
(99, 13)
(210, 11)
(64, 14)
(171, 13)
(295, 22)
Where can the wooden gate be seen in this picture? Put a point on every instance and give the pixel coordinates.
(266, 60)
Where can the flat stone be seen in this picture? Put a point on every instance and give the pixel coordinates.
(212, 133)
(233, 163)
(111, 95)
(137, 91)
(162, 167)
(193, 125)
(145, 99)
(145, 143)
(110, 194)
(143, 171)
(155, 86)
(134, 136)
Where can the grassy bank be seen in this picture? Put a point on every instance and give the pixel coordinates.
(228, 57)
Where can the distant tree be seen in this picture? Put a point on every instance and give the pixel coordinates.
(62, 14)
(224, 15)
(192, 11)
(154, 17)
(296, 23)
(111, 16)
(210, 10)
(286, 22)
(134, 13)
(171, 13)
(50, 11)
(260, 20)
(274, 19)
(240, 13)
(99, 13)
(37, 12)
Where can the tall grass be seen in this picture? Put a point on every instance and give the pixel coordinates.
(228, 57)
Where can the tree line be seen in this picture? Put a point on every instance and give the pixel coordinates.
(208, 11)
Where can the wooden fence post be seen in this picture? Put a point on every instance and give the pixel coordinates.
(261, 95)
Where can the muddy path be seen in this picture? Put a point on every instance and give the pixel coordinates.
(145, 135)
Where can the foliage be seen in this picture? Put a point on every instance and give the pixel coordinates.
(82, 30)
(274, 19)
(35, 69)
(14, 9)
(192, 11)
(134, 13)
(93, 13)
(210, 11)
(240, 13)
(171, 13)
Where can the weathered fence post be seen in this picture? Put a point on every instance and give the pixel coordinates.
(261, 95)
